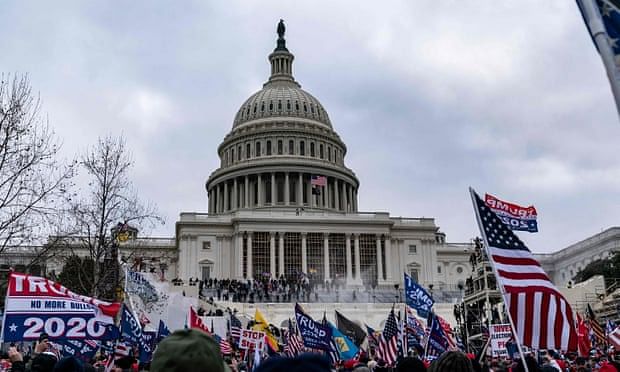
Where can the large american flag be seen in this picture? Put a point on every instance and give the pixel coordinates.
(541, 315)
(388, 345)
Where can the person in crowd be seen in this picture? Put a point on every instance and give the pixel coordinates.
(188, 350)
(452, 361)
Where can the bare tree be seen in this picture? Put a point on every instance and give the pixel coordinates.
(32, 179)
(108, 206)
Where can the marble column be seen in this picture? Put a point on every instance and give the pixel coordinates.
(388, 259)
(350, 198)
(239, 255)
(281, 248)
(349, 263)
(246, 193)
(336, 194)
(210, 205)
(300, 190)
(379, 261)
(304, 253)
(309, 194)
(225, 196)
(356, 241)
(260, 191)
(250, 275)
(287, 190)
(345, 199)
(235, 203)
(272, 254)
(326, 255)
(273, 188)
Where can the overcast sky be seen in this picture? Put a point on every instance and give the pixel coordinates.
(429, 96)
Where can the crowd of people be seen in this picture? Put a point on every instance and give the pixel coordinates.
(264, 288)
(196, 351)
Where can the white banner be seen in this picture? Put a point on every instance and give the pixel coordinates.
(500, 334)
(250, 339)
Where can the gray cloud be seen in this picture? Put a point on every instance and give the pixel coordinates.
(430, 97)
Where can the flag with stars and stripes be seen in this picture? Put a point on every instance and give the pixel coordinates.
(541, 315)
(294, 344)
(598, 332)
(235, 327)
(602, 18)
(388, 344)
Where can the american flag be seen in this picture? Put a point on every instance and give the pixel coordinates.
(597, 331)
(542, 316)
(235, 327)
(225, 347)
(294, 343)
(120, 350)
(414, 326)
(614, 338)
(318, 181)
(388, 348)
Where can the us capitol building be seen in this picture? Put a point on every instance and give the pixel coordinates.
(283, 202)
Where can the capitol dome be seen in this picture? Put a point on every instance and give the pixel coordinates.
(282, 151)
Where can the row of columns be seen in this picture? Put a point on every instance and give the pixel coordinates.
(219, 194)
(349, 261)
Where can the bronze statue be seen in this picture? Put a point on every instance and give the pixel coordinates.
(281, 29)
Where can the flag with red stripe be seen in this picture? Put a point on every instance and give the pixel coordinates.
(597, 330)
(541, 315)
(196, 322)
(388, 344)
(614, 338)
(447, 331)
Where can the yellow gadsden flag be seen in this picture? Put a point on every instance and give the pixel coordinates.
(260, 324)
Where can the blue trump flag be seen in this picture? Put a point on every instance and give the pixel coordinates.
(147, 345)
(131, 330)
(162, 331)
(417, 297)
(314, 334)
(344, 346)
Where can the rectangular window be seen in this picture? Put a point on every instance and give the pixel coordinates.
(291, 147)
(312, 149)
(413, 249)
(302, 148)
(206, 245)
(438, 269)
(247, 151)
(232, 155)
(314, 249)
(257, 148)
(329, 153)
(239, 153)
(321, 154)
(260, 253)
(279, 147)
(268, 147)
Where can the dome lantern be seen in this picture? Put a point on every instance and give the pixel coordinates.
(281, 60)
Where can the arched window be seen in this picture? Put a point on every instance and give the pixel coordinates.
(247, 151)
(268, 147)
(239, 153)
(312, 149)
(321, 154)
(279, 105)
(262, 106)
(232, 155)
(291, 147)
(329, 153)
(270, 105)
(257, 148)
(288, 105)
(280, 147)
(296, 106)
(302, 148)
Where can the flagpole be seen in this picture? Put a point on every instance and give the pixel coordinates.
(599, 35)
(501, 286)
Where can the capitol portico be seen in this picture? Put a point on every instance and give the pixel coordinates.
(283, 202)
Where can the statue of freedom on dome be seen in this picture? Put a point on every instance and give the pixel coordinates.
(281, 29)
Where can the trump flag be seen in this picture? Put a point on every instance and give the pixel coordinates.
(36, 305)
